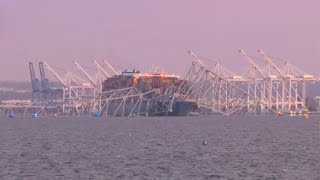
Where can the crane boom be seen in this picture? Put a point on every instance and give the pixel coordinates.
(85, 73)
(33, 78)
(111, 68)
(268, 60)
(106, 75)
(55, 74)
(196, 58)
(213, 74)
(251, 63)
(44, 81)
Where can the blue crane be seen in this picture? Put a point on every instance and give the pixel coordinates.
(34, 81)
(44, 81)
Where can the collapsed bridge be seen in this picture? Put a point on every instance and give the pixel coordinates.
(271, 88)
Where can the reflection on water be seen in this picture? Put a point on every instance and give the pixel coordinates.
(160, 148)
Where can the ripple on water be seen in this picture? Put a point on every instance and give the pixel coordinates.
(160, 148)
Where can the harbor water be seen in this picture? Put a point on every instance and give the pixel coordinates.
(210, 147)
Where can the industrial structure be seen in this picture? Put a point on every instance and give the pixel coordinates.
(268, 89)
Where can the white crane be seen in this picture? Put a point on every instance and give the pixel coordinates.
(259, 84)
(196, 58)
(110, 67)
(213, 74)
(252, 64)
(268, 60)
(55, 74)
(104, 73)
(287, 80)
(85, 73)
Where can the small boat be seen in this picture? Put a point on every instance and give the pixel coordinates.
(95, 114)
(10, 114)
(280, 113)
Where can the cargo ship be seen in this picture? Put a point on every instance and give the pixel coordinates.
(163, 84)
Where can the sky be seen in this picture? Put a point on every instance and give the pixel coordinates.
(140, 33)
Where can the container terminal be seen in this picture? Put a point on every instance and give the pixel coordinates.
(205, 89)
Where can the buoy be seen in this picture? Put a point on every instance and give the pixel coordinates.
(204, 142)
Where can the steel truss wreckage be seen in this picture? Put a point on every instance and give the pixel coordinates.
(213, 91)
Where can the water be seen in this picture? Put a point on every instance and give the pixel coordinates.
(160, 148)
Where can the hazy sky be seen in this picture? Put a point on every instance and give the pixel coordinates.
(139, 33)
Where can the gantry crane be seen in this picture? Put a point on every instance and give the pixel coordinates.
(253, 65)
(46, 65)
(44, 81)
(110, 67)
(34, 81)
(196, 58)
(260, 84)
(104, 73)
(289, 85)
(85, 73)
(280, 75)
